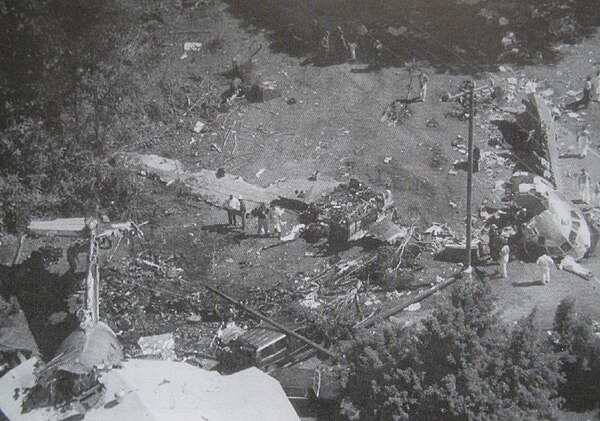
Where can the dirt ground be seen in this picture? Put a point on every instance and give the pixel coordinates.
(334, 127)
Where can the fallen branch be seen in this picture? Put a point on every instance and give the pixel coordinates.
(398, 308)
(228, 132)
(263, 109)
(402, 246)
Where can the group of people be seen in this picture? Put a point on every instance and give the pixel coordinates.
(500, 251)
(336, 47)
(545, 263)
(587, 191)
(265, 216)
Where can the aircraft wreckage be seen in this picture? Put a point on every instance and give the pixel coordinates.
(547, 221)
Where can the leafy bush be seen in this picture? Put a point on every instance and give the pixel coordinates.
(461, 363)
(68, 101)
(581, 357)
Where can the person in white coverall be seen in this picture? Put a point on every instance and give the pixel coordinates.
(504, 258)
(545, 262)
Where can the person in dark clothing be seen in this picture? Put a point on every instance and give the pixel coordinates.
(476, 158)
(316, 32)
(584, 102)
(377, 53)
(325, 49)
(587, 92)
(340, 46)
(261, 215)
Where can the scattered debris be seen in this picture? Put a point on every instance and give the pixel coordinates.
(162, 346)
(70, 379)
(294, 233)
(229, 333)
(413, 307)
(192, 46)
(150, 389)
(397, 112)
(570, 265)
(199, 126)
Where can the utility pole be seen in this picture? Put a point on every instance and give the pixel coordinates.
(470, 173)
(92, 302)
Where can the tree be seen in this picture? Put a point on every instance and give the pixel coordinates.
(64, 74)
(580, 348)
(462, 363)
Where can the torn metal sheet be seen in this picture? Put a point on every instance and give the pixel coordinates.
(304, 190)
(162, 346)
(383, 230)
(215, 190)
(556, 225)
(538, 119)
(71, 227)
(162, 390)
(167, 170)
(15, 335)
(82, 350)
(570, 265)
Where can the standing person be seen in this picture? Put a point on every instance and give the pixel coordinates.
(545, 262)
(234, 207)
(597, 193)
(584, 181)
(289, 38)
(227, 207)
(597, 92)
(504, 258)
(242, 211)
(363, 40)
(583, 142)
(423, 79)
(352, 48)
(378, 53)
(316, 31)
(275, 213)
(261, 215)
(340, 46)
(495, 242)
(325, 48)
(476, 158)
(388, 200)
(73, 255)
(587, 92)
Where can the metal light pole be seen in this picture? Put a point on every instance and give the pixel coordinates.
(470, 174)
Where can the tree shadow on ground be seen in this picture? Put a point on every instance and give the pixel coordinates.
(42, 294)
(526, 284)
(220, 228)
(451, 37)
(569, 155)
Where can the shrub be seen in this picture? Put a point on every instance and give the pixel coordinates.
(580, 355)
(461, 363)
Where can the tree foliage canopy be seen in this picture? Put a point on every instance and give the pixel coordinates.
(67, 86)
(462, 363)
(580, 348)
